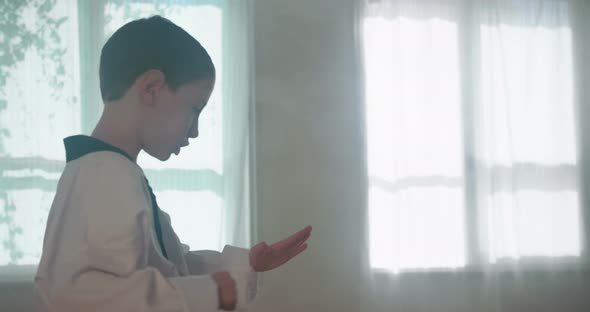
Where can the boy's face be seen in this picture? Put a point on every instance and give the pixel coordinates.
(173, 118)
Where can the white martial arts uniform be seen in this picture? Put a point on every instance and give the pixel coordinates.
(101, 250)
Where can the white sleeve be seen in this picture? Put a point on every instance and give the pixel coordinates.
(203, 261)
(237, 262)
(210, 261)
(234, 260)
(107, 268)
(142, 290)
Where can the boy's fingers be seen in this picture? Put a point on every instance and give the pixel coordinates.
(299, 250)
(220, 276)
(291, 255)
(226, 287)
(294, 239)
(294, 245)
(294, 252)
(228, 297)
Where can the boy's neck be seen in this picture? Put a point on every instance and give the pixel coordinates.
(114, 129)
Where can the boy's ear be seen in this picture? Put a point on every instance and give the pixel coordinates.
(150, 85)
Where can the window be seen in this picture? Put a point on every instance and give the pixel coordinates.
(49, 52)
(471, 146)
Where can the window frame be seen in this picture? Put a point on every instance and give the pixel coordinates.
(476, 259)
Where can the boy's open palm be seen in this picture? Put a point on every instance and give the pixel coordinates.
(264, 257)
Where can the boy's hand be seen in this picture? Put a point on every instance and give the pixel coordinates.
(265, 258)
(226, 288)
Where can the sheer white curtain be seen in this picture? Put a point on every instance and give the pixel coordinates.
(472, 150)
(49, 76)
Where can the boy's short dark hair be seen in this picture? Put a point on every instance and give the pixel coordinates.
(151, 43)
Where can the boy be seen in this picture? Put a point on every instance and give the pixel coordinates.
(107, 245)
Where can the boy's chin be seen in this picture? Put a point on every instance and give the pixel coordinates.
(163, 156)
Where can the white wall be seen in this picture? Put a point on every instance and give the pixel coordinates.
(310, 150)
